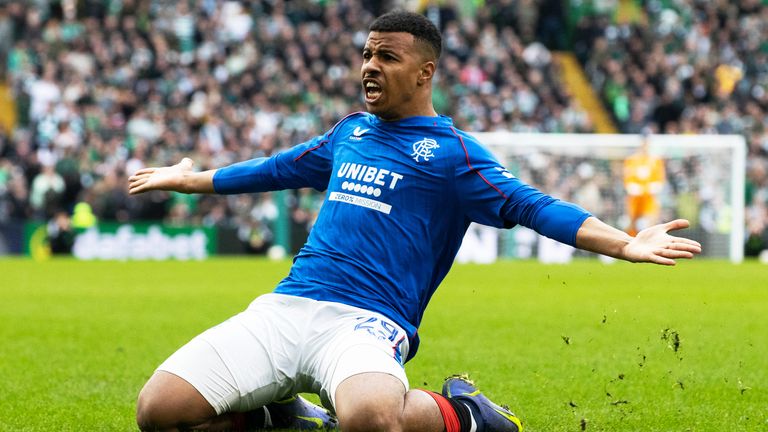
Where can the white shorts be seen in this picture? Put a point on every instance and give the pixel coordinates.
(283, 345)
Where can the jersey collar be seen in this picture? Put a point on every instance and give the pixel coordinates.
(440, 120)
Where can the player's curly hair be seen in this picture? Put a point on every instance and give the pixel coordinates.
(409, 22)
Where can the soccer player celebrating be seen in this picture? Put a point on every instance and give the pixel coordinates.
(402, 186)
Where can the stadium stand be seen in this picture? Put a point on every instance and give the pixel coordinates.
(102, 88)
(687, 67)
(109, 87)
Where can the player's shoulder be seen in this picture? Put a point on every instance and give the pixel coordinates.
(466, 145)
(464, 136)
(353, 121)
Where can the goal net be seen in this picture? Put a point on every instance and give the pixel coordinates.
(704, 182)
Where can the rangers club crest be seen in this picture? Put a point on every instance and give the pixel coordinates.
(423, 149)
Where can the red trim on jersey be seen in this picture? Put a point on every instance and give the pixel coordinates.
(450, 418)
(469, 164)
(323, 142)
(396, 353)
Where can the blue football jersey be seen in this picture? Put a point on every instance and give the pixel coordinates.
(399, 198)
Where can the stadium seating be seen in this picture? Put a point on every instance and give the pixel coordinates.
(111, 87)
(689, 67)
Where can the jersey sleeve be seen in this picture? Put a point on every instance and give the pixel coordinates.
(492, 196)
(306, 165)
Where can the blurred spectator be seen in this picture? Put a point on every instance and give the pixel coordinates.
(692, 67)
(45, 194)
(82, 216)
(61, 236)
(105, 88)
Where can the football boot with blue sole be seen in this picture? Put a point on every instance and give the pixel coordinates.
(489, 416)
(297, 413)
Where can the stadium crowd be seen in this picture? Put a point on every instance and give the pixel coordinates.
(692, 67)
(104, 88)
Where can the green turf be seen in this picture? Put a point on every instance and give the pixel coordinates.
(582, 346)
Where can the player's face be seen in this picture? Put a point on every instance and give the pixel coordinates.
(390, 74)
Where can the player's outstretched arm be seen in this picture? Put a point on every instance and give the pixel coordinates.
(653, 244)
(178, 178)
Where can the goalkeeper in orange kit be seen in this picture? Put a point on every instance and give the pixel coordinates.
(643, 180)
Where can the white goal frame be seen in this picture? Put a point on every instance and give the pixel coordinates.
(618, 146)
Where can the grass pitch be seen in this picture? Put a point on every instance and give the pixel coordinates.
(584, 346)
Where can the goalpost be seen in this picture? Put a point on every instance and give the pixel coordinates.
(704, 179)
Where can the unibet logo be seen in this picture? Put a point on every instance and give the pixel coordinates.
(368, 174)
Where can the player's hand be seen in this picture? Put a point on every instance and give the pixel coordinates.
(164, 178)
(655, 245)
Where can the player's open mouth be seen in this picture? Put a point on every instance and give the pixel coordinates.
(372, 91)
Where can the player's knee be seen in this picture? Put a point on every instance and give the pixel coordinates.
(371, 418)
(149, 412)
(167, 402)
(153, 413)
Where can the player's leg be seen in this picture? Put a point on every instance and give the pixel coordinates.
(356, 364)
(194, 388)
(379, 402)
(361, 375)
(634, 211)
(168, 402)
(651, 211)
(355, 358)
(236, 368)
